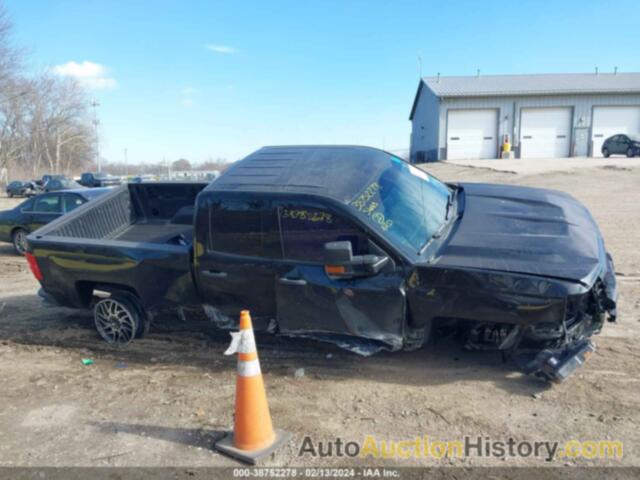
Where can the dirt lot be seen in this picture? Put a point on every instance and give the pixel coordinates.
(165, 399)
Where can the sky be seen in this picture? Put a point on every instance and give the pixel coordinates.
(206, 79)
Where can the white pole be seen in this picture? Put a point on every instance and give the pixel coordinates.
(95, 106)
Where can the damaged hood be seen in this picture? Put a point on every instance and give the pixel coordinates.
(524, 230)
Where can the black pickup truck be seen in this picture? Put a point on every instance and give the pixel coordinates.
(345, 244)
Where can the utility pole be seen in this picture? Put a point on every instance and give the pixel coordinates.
(95, 106)
(126, 163)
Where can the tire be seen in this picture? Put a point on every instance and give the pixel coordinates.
(119, 319)
(19, 240)
(630, 152)
(605, 152)
(10, 195)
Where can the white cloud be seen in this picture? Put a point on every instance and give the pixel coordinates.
(186, 102)
(221, 48)
(186, 96)
(90, 74)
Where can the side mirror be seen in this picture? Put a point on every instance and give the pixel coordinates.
(341, 263)
(338, 253)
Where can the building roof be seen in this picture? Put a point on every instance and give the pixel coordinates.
(339, 172)
(540, 84)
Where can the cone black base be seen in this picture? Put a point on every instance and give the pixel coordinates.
(225, 445)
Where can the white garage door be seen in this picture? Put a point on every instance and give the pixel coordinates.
(472, 134)
(545, 132)
(609, 121)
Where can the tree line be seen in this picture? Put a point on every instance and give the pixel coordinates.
(45, 119)
(165, 168)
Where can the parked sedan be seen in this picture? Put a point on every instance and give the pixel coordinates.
(21, 189)
(57, 184)
(31, 214)
(622, 144)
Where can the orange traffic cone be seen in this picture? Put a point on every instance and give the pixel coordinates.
(253, 435)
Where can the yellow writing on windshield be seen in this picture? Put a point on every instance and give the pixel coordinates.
(365, 204)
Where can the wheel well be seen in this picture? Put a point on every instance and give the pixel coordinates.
(15, 229)
(86, 290)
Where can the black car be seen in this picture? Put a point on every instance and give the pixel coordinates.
(95, 180)
(56, 184)
(21, 189)
(31, 214)
(621, 144)
(345, 244)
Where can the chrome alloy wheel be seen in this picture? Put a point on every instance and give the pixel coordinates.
(20, 241)
(116, 322)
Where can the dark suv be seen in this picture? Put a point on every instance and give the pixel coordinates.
(93, 180)
(621, 144)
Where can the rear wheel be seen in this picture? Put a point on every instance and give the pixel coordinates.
(20, 241)
(605, 152)
(119, 319)
(630, 152)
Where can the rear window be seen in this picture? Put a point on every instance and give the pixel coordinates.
(71, 202)
(90, 193)
(240, 227)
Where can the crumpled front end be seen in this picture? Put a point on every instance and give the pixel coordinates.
(568, 344)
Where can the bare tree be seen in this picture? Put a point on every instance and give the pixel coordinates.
(44, 119)
(181, 164)
(10, 56)
(62, 123)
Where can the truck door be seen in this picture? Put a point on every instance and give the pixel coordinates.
(310, 300)
(233, 269)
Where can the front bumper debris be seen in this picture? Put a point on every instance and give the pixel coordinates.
(558, 365)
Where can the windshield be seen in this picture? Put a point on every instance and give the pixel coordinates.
(404, 204)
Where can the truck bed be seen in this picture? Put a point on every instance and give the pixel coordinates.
(155, 233)
(139, 236)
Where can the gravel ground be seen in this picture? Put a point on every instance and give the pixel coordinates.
(164, 400)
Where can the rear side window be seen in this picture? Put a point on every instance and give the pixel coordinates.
(71, 202)
(306, 228)
(47, 204)
(241, 226)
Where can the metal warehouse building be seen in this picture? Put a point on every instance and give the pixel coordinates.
(556, 115)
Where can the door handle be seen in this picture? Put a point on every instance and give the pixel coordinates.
(292, 281)
(214, 274)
